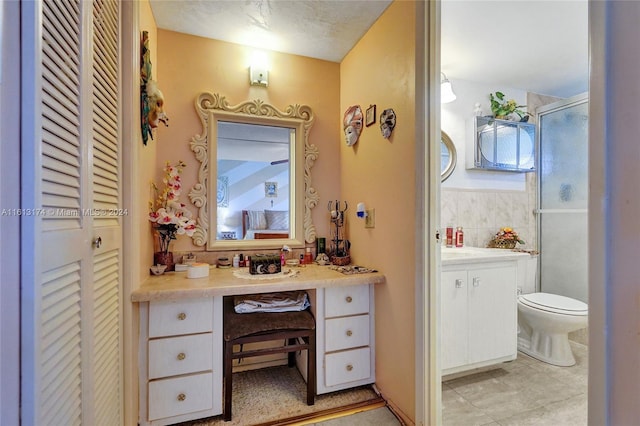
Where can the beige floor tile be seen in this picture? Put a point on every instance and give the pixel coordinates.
(377, 417)
(523, 392)
(458, 411)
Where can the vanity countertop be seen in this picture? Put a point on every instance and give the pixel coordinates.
(223, 282)
(466, 255)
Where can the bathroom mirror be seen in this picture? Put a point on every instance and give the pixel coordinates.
(448, 157)
(254, 181)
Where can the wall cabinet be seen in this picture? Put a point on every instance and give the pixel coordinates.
(180, 360)
(479, 315)
(503, 145)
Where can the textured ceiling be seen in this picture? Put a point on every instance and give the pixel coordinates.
(535, 45)
(319, 29)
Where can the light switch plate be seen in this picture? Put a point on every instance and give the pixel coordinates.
(370, 219)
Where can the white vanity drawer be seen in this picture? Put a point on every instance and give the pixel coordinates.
(346, 332)
(168, 318)
(180, 355)
(347, 366)
(347, 300)
(180, 395)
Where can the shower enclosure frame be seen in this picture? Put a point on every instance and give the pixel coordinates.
(540, 211)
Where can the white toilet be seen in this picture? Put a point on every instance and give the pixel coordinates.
(545, 321)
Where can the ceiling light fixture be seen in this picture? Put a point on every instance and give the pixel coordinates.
(446, 91)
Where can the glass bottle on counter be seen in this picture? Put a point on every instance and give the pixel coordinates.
(459, 237)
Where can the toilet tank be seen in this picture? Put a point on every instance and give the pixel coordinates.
(528, 274)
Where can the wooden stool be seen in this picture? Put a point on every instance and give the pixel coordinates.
(263, 327)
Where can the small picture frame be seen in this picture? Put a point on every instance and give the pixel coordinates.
(370, 115)
(271, 189)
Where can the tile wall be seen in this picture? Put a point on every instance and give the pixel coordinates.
(482, 213)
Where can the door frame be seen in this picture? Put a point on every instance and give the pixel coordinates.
(428, 390)
(10, 223)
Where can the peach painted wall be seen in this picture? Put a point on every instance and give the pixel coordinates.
(380, 70)
(189, 65)
(146, 170)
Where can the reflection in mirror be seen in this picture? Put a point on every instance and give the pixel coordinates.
(448, 157)
(253, 181)
(261, 159)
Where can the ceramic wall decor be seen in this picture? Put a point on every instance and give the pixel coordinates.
(352, 124)
(387, 122)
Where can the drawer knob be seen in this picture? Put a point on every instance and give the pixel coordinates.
(349, 367)
(349, 333)
(348, 299)
(182, 316)
(181, 356)
(182, 397)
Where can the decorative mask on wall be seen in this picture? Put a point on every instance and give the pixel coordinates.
(156, 106)
(352, 124)
(151, 98)
(387, 122)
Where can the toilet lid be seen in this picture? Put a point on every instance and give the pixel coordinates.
(554, 303)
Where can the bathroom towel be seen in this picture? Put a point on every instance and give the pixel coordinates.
(285, 301)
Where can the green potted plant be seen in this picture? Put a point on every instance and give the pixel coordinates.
(503, 108)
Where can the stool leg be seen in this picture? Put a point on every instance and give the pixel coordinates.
(311, 369)
(228, 379)
(291, 355)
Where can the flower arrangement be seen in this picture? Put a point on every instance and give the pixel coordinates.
(169, 216)
(502, 108)
(505, 238)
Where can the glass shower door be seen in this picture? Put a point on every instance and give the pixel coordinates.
(563, 196)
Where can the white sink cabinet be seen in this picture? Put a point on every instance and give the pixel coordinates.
(478, 308)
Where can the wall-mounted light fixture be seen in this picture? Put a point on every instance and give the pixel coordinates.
(446, 91)
(258, 77)
(259, 70)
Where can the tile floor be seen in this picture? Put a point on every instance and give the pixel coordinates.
(522, 392)
(377, 417)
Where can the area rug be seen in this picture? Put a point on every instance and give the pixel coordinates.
(273, 395)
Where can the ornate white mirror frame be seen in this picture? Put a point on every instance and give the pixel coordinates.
(214, 108)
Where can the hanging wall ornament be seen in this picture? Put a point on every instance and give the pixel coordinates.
(352, 124)
(151, 98)
(387, 122)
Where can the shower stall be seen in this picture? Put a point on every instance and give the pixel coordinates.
(563, 197)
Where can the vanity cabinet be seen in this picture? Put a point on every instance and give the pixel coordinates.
(479, 315)
(181, 344)
(345, 337)
(181, 360)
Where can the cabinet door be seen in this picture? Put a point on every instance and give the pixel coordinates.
(454, 316)
(493, 307)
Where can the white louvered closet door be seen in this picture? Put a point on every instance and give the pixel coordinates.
(72, 242)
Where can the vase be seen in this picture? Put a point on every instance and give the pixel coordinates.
(163, 258)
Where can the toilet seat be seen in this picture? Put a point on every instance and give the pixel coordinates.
(554, 303)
